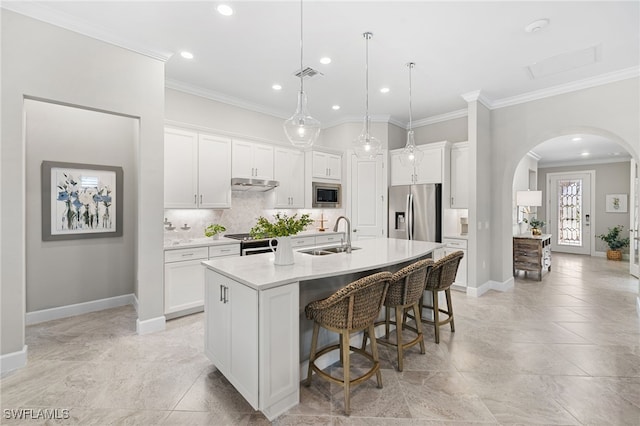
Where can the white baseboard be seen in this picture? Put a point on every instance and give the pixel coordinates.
(503, 286)
(491, 285)
(135, 302)
(43, 315)
(638, 305)
(479, 291)
(151, 325)
(13, 360)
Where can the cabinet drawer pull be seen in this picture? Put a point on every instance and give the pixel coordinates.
(195, 198)
(200, 198)
(224, 250)
(186, 254)
(221, 287)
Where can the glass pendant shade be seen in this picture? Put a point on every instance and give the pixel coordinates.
(411, 156)
(365, 146)
(301, 129)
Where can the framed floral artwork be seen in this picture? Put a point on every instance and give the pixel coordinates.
(81, 201)
(616, 203)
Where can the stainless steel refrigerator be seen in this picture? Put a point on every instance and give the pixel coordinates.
(415, 212)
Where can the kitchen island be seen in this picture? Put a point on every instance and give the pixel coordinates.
(254, 311)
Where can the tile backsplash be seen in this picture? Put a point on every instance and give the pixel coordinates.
(246, 208)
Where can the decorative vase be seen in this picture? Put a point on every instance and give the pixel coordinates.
(536, 231)
(284, 252)
(614, 254)
(215, 237)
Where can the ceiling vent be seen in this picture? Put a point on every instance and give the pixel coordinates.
(308, 73)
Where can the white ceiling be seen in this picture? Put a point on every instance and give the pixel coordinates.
(458, 47)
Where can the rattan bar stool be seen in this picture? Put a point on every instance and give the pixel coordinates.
(405, 291)
(440, 278)
(351, 309)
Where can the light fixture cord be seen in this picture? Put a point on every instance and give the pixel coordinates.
(301, 50)
(367, 36)
(410, 65)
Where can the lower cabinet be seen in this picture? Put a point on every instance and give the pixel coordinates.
(184, 277)
(453, 245)
(252, 337)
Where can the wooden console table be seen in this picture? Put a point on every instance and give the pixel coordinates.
(532, 253)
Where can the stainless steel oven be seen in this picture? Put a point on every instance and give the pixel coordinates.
(326, 195)
(249, 246)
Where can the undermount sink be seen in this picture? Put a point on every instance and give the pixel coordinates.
(327, 250)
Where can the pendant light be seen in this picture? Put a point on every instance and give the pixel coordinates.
(411, 156)
(301, 129)
(366, 146)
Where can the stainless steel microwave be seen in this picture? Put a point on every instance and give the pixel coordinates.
(326, 195)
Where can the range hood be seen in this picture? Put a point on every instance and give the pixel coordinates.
(255, 185)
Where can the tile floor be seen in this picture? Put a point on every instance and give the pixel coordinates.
(563, 351)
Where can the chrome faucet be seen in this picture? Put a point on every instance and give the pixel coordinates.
(347, 248)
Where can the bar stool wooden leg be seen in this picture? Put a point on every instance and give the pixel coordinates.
(387, 321)
(450, 309)
(436, 316)
(416, 314)
(376, 357)
(346, 369)
(399, 339)
(312, 354)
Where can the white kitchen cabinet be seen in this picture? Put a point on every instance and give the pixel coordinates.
(197, 171)
(459, 176)
(326, 166)
(253, 339)
(306, 241)
(184, 277)
(231, 333)
(452, 245)
(252, 160)
(430, 169)
(289, 171)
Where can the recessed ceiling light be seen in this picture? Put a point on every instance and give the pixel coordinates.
(335, 107)
(276, 87)
(224, 10)
(384, 90)
(325, 61)
(576, 139)
(585, 154)
(536, 26)
(186, 55)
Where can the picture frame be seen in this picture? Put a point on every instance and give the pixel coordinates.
(616, 203)
(81, 201)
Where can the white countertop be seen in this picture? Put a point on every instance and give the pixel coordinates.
(199, 242)
(259, 272)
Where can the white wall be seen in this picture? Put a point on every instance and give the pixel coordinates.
(611, 110)
(43, 61)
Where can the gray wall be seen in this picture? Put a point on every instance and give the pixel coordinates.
(61, 273)
(44, 61)
(611, 110)
(611, 178)
(455, 130)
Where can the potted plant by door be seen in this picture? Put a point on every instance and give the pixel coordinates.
(615, 242)
(536, 225)
(281, 229)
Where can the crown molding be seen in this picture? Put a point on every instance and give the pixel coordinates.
(51, 16)
(380, 118)
(585, 83)
(580, 162)
(440, 118)
(477, 96)
(534, 156)
(221, 97)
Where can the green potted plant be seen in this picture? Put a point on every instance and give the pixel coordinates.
(615, 242)
(282, 228)
(214, 230)
(536, 225)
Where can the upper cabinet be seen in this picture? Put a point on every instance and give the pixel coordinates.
(326, 166)
(289, 171)
(252, 160)
(429, 170)
(197, 171)
(459, 175)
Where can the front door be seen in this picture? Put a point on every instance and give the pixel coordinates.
(570, 211)
(368, 203)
